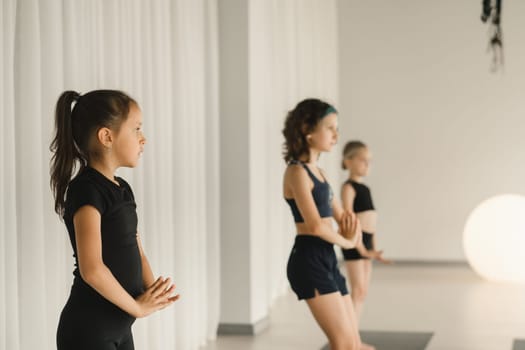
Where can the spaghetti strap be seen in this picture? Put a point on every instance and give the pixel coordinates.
(310, 173)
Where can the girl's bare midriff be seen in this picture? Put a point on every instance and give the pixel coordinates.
(368, 220)
(304, 229)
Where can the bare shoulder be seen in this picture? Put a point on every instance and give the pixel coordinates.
(348, 188)
(296, 176)
(294, 171)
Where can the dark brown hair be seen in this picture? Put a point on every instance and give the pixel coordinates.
(301, 121)
(350, 149)
(75, 128)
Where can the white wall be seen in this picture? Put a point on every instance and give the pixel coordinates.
(273, 54)
(445, 132)
(293, 55)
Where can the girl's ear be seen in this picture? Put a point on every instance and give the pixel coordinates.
(309, 138)
(346, 163)
(105, 137)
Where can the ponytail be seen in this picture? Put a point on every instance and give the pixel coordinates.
(76, 127)
(65, 152)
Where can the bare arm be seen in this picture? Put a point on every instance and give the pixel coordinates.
(348, 197)
(95, 273)
(376, 254)
(300, 185)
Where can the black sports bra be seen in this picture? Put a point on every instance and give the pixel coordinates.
(363, 198)
(321, 192)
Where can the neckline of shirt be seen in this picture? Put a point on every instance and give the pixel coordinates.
(100, 175)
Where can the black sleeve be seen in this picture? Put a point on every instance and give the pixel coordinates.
(125, 184)
(82, 193)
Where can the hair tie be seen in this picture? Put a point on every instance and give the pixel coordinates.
(76, 100)
(329, 110)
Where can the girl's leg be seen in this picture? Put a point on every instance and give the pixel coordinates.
(332, 314)
(358, 277)
(368, 273)
(350, 309)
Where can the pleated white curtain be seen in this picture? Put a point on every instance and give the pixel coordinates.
(163, 53)
(293, 55)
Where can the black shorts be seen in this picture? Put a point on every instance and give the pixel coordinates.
(353, 254)
(313, 266)
(86, 324)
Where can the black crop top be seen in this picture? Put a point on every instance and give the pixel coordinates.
(117, 208)
(363, 198)
(321, 192)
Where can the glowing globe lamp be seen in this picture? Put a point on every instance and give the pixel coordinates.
(494, 239)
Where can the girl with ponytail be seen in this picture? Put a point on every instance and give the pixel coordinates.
(97, 133)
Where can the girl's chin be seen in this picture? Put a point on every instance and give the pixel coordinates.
(132, 164)
(325, 149)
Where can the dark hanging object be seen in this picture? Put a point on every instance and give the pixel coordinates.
(492, 13)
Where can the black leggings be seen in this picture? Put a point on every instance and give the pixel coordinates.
(67, 342)
(84, 326)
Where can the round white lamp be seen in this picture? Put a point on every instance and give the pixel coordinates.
(494, 239)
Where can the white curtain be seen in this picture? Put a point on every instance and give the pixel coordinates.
(163, 53)
(293, 55)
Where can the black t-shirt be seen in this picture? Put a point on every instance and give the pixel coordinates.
(363, 198)
(120, 251)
